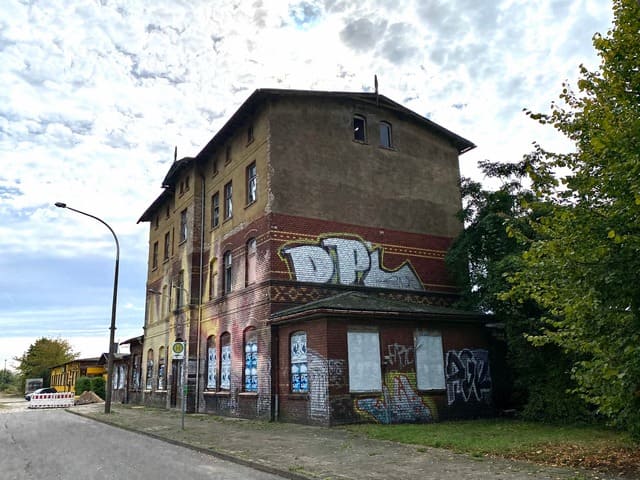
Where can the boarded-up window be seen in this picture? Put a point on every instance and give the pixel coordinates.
(225, 362)
(299, 374)
(161, 369)
(364, 362)
(429, 361)
(212, 364)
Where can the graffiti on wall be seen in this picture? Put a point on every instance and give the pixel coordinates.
(336, 373)
(318, 385)
(347, 261)
(467, 376)
(399, 356)
(400, 403)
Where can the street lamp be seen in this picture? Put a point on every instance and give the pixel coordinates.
(107, 400)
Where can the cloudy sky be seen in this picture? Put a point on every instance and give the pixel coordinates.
(95, 94)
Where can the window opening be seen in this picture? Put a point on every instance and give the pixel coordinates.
(429, 361)
(183, 225)
(167, 245)
(228, 271)
(385, 135)
(212, 363)
(228, 201)
(215, 210)
(364, 362)
(149, 382)
(161, 369)
(299, 375)
(225, 362)
(252, 183)
(359, 129)
(251, 361)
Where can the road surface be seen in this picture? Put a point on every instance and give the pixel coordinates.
(55, 444)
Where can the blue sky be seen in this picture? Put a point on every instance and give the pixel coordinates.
(96, 94)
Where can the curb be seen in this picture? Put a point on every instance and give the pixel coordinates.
(207, 451)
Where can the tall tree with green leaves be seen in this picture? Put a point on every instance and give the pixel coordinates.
(582, 265)
(41, 356)
(480, 259)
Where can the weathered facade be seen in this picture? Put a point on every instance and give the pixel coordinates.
(300, 257)
(64, 376)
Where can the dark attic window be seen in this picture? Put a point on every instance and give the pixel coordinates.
(359, 129)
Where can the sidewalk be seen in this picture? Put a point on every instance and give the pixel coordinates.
(304, 452)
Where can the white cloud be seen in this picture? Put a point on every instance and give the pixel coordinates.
(96, 95)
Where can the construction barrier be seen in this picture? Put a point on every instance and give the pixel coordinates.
(52, 400)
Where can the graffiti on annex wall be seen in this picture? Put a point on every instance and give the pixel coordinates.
(467, 376)
(347, 261)
(400, 403)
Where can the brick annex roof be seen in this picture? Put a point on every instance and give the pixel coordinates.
(261, 95)
(367, 304)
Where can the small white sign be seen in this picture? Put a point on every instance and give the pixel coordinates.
(178, 350)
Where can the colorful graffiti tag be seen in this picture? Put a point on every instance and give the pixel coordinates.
(400, 403)
(467, 376)
(347, 261)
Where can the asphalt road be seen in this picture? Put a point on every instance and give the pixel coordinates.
(55, 444)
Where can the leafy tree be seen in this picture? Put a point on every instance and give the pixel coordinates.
(583, 257)
(7, 380)
(481, 258)
(41, 356)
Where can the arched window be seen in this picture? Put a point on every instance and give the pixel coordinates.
(225, 361)
(149, 382)
(359, 128)
(161, 369)
(212, 364)
(250, 361)
(385, 135)
(227, 260)
(251, 262)
(299, 376)
(136, 372)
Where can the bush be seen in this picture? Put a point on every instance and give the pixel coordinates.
(98, 386)
(83, 384)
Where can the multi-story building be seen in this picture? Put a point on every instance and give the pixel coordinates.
(300, 257)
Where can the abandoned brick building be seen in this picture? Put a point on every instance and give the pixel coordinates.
(300, 257)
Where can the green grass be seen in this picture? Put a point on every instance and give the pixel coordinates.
(494, 436)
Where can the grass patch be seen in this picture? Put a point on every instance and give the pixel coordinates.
(591, 447)
(492, 436)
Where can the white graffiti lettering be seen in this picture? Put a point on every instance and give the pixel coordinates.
(348, 262)
(468, 377)
(399, 356)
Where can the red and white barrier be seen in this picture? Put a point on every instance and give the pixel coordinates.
(52, 400)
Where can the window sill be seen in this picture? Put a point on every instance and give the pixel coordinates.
(250, 203)
(248, 394)
(182, 242)
(361, 142)
(227, 219)
(392, 149)
(215, 227)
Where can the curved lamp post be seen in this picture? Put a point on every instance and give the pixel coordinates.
(109, 387)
